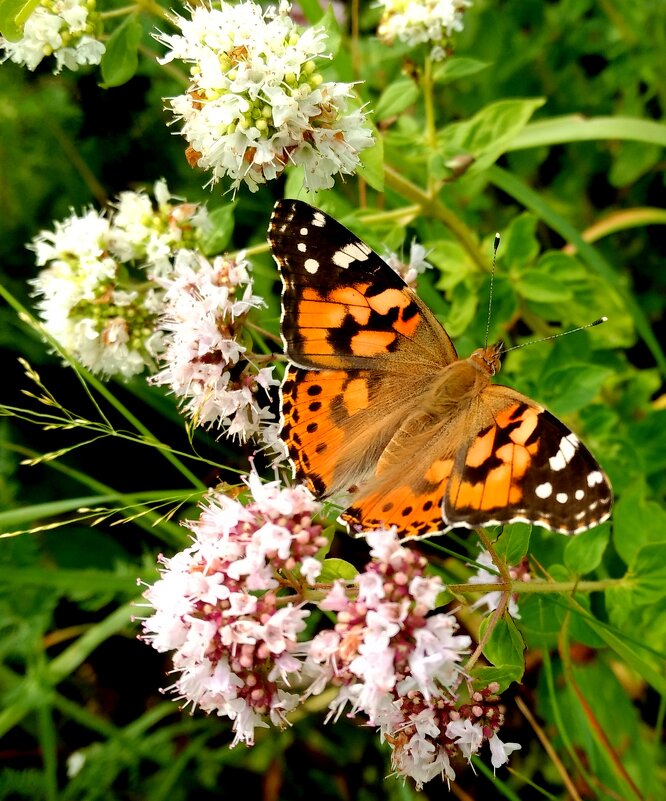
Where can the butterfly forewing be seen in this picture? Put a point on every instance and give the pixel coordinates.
(342, 306)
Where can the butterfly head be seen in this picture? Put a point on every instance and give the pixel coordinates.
(488, 359)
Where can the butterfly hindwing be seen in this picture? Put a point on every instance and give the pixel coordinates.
(523, 464)
(337, 423)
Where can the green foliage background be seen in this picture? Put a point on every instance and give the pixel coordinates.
(564, 123)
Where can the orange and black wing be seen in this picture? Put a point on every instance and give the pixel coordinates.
(343, 307)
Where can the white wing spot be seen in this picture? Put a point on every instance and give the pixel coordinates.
(303, 232)
(302, 247)
(567, 449)
(311, 265)
(580, 515)
(355, 251)
(595, 477)
(561, 497)
(579, 495)
(319, 220)
(544, 490)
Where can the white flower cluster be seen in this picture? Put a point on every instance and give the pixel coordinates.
(94, 296)
(205, 306)
(68, 30)
(418, 22)
(257, 102)
(221, 607)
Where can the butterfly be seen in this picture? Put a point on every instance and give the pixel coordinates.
(376, 405)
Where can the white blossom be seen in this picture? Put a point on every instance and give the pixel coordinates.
(417, 22)
(257, 102)
(68, 30)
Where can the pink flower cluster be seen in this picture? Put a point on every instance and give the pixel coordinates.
(205, 306)
(217, 607)
(400, 665)
(221, 607)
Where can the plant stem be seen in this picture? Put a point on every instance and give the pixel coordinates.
(434, 208)
(431, 128)
(538, 587)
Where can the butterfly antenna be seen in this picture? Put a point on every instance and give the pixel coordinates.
(557, 336)
(492, 285)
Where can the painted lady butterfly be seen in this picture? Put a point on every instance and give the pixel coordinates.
(376, 403)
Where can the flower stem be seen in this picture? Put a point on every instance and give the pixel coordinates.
(505, 589)
(434, 208)
(538, 587)
(431, 128)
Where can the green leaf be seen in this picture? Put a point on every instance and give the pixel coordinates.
(582, 381)
(649, 436)
(637, 521)
(648, 575)
(337, 569)
(218, 239)
(457, 67)
(333, 34)
(312, 10)
(576, 128)
(514, 542)
(13, 16)
(489, 132)
(504, 676)
(541, 287)
(540, 621)
(121, 59)
(464, 305)
(371, 168)
(520, 244)
(395, 98)
(633, 160)
(505, 646)
(532, 200)
(584, 551)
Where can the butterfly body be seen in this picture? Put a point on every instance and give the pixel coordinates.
(378, 408)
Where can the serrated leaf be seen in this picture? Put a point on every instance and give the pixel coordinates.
(395, 98)
(457, 67)
(584, 551)
(222, 220)
(121, 59)
(540, 622)
(337, 569)
(582, 382)
(648, 574)
(505, 646)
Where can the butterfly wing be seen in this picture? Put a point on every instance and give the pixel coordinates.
(523, 464)
(517, 462)
(363, 346)
(336, 423)
(343, 307)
